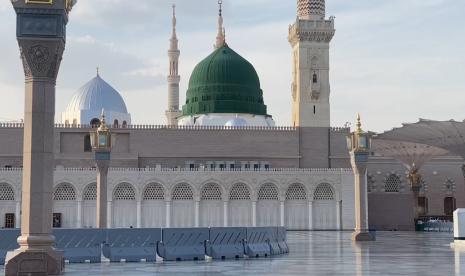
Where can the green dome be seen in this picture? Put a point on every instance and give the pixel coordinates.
(224, 82)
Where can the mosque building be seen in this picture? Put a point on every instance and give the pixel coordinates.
(220, 160)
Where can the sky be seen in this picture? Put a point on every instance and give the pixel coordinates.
(392, 61)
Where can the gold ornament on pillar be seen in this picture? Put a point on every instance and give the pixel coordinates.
(359, 140)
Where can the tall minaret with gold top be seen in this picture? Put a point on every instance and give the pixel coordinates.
(310, 37)
(173, 111)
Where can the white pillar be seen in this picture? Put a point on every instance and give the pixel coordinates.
(225, 213)
(254, 214)
(168, 213)
(310, 215)
(109, 214)
(18, 214)
(338, 215)
(197, 213)
(79, 214)
(282, 213)
(139, 212)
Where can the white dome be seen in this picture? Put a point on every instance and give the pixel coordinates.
(97, 95)
(89, 101)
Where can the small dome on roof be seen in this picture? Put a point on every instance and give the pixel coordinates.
(236, 122)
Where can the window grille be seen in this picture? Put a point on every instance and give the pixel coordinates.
(64, 192)
(239, 192)
(296, 192)
(183, 192)
(90, 193)
(371, 183)
(449, 185)
(154, 192)
(211, 191)
(392, 184)
(124, 191)
(323, 192)
(6, 192)
(268, 192)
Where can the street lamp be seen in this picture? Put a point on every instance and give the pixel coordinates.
(358, 144)
(102, 141)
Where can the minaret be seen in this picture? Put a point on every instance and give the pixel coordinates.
(220, 37)
(310, 37)
(173, 111)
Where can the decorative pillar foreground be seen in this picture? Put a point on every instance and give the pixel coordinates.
(359, 146)
(101, 141)
(41, 35)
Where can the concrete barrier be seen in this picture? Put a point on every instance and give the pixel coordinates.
(180, 244)
(131, 245)
(281, 235)
(258, 242)
(8, 242)
(80, 245)
(226, 243)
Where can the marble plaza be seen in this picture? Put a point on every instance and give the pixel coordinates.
(317, 253)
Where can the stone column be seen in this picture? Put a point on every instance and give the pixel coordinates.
(310, 215)
(18, 214)
(102, 191)
(338, 214)
(168, 213)
(254, 214)
(79, 214)
(139, 214)
(359, 162)
(225, 213)
(281, 205)
(197, 213)
(109, 221)
(41, 35)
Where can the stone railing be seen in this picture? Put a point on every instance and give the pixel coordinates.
(160, 127)
(239, 170)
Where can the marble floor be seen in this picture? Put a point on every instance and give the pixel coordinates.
(317, 253)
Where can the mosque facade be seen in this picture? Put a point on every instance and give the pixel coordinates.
(220, 160)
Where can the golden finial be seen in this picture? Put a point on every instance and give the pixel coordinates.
(220, 3)
(98, 71)
(359, 123)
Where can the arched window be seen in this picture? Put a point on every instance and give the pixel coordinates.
(392, 184)
(323, 192)
(95, 123)
(6, 192)
(116, 123)
(87, 144)
(296, 192)
(211, 191)
(125, 124)
(240, 191)
(449, 205)
(154, 191)
(183, 192)
(64, 192)
(74, 122)
(124, 191)
(268, 192)
(90, 193)
(315, 78)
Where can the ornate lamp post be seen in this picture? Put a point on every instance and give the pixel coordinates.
(41, 35)
(358, 143)
(101, 141)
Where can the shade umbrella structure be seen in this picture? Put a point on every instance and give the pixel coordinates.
(449, 135)
(411, 155)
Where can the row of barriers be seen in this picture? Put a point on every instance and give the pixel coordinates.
(171, 244)
(434, 225)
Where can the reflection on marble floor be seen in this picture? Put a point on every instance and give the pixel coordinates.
(317, 253)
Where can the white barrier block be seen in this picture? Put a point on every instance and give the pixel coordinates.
(459, 227)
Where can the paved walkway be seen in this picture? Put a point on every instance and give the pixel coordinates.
(317, 253)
